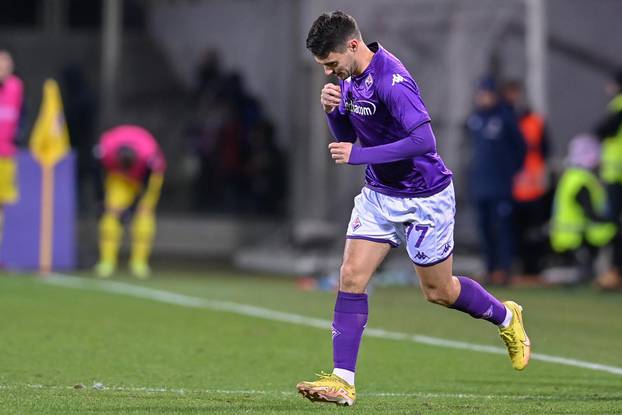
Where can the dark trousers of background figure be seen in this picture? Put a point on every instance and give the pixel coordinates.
(614, 204)
(582, 260)
(532, 238)
(496, 228)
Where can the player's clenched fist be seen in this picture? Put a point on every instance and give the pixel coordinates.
(340, 152)
(330, 97)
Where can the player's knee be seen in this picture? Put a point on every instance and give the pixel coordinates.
(110, 226)
(350, 279)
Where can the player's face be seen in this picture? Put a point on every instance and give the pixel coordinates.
(338, 63)
(612, 89)
(513, 96)
(485, 99)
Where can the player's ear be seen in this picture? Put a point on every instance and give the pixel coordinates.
(353, 45)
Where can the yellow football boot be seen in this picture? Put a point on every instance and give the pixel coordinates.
(515, 337)
(328, 388)
(140, 270)
(105, 269)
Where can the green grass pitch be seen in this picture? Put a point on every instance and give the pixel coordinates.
(137, 355)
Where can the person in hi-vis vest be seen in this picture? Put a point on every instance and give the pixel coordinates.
(578, 224)
(609, 131)
(11, 101)
(134, 170)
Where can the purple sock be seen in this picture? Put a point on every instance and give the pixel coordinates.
(348, 324)
(478, 302)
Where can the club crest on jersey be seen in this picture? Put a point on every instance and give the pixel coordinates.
(356, 224)
(369, 81)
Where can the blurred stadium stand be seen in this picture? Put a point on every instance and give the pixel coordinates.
(446, 44)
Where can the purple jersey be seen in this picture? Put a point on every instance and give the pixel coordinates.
(383, 105)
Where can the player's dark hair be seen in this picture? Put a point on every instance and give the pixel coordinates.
(127, 157)
(330, 32)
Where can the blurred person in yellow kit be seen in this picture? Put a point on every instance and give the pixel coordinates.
(134, 170)
(11, 101)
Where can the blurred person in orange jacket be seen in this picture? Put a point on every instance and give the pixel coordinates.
(531, 187)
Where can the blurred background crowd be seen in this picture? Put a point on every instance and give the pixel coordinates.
(524, 97)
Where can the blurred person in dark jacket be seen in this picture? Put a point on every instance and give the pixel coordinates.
(80, 106)
(209, 77)
(266, 171)
(498, 153)
(531, 189)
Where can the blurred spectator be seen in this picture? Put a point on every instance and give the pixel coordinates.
(208, 77)
(241, 170)
(247, 107)
(231, 159)
(609, 131)
(531, 184)
(80, 113)
(266, 171)
(498, 153)
(134, 168)
(11, 105)
(579, 225)
(203, 135)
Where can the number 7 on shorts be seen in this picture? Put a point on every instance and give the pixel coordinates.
(422, 228)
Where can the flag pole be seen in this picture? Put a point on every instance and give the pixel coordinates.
(47, 220)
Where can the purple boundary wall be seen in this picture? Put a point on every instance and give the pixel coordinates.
(22, 225)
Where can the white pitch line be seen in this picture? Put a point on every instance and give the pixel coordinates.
(267, 314)
(183, 391)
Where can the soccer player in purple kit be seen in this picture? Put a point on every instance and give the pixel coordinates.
(408, 198)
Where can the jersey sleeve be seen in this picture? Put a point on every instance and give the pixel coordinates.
(340, 126)
(400, 94)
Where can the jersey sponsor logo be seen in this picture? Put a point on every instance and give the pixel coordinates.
(397, 78)
(356, 224)
(361, 107)
(369, 81)
(421, 256)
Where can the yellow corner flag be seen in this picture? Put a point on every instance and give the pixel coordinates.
(49, 141)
